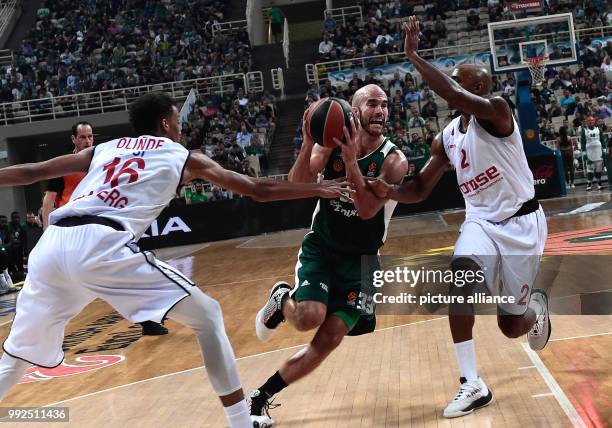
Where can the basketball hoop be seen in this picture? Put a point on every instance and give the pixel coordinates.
(536, 68)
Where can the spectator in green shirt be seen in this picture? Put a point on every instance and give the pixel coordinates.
(276, 21)
(196, 196)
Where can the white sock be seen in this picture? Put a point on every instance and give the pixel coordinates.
(466, 359)
(11, 372)
(238, 415)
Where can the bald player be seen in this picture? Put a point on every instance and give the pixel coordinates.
(505, 228)
(328, 295)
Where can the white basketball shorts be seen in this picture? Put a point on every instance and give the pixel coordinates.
(72, 266)
(510, 250)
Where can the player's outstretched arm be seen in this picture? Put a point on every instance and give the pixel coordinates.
(393, 170)
(312, 157)
(420, 187)
(495, 110)
(29, 173)
(260, 189)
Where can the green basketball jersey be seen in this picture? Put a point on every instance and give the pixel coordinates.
(337, 222)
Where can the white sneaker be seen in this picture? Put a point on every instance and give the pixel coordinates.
(588, 188)
(540, 333)
(471, 396)
(259, 409)
(271, 315)
(8, 279)
(599, 187)
(573, 186)
(4, 287)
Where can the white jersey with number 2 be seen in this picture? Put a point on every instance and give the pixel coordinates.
(492, 173)
(130, 181)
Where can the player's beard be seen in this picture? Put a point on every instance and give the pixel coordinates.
(366, 127)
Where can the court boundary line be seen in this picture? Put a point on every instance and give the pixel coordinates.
(90, 394)
(608, 333)
(565, 403)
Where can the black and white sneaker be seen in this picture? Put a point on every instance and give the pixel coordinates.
(540, 333)
(271, 315)
(471, 396)
(259, 406)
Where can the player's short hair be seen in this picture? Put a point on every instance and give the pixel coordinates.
(75, 127)
(148, 110)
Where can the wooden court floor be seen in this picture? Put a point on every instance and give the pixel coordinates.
(402, 375)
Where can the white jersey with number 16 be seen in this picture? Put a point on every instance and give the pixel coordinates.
(130, 181)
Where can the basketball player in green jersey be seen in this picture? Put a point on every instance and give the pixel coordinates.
(328, 294)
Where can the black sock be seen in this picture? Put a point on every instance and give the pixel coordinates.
(274, 385)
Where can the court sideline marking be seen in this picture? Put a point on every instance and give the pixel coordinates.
(564, 402)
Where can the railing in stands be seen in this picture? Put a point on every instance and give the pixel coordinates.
(6, 13)
(6, 57)
(229, 27)
(120, 99)
(316, 73)
(605, 31)
(254, 82)
(286, 42)
(341, 13)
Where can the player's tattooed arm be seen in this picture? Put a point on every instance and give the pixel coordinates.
(393, 170)
(29, 173)
(494, 111)
(421, 186)
(311, 160)
(260, 189)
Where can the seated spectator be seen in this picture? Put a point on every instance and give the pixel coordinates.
(473, 21)
(412, 95)
(195, 194)
(541, 112)
(594, 91)
(606, 65)
(567, 102)
(416, 121)
(510, 86)
(217, 195)
(329, 25)
(430, 108)
(384, 38)
(356, 80)
(325, 47)
(371, 80)
(569, 129)
(247, 169)
(602, 111)
(396, 83)
(554, 110)
(440, 28)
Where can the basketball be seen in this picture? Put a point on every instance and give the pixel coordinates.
(328, 117)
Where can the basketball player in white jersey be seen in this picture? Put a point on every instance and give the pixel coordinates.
(505, 228)
(89, 250)
(593, 144)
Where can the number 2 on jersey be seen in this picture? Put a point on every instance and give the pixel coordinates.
(464, 162)
(125, 169)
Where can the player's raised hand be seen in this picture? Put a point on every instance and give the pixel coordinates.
(380, 187)
(338, 188)
(411, 39)
(350, 147)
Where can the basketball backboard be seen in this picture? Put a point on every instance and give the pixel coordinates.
(514, 42)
